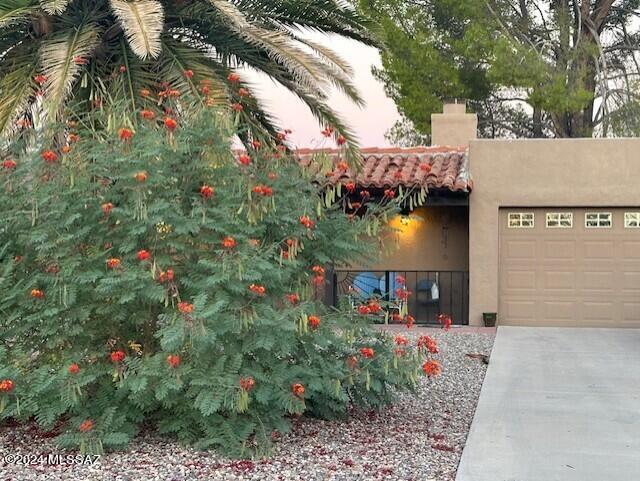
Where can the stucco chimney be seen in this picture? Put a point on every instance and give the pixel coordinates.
(454, 127)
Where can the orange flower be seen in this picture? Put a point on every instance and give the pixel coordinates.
(297, 390)
(314, 322)
(73, 138)
(425, 167)
(86, 426)
(307, 222)
(9, 164)
(256, 144)
(188, 73)
(363, 310)
(106, 207)
(113, 263)
(166, 276)
(40, 79)
(140, 176)
(49, 156)
(367, 352)
(247, 383)
(342, 165)
(352, 362)
(233, 77)
(244, 159)
(427, 343)
(399, 352)
(185, 307)
(401, 340)
(328, 131)
(293, 298)
(148, 114)
(319, 270)
(173, 360)
(206, 191)
(122, 69)
(117, 356)
(237, 107)
(318, 280)
(264, 190)
(170, 124)
(402, 293)
(6, 385)
(390, 193)
(242, 92)
(125, 134)
(445, 321)
(37, 293)
(432, 368)
(374, 307)
(229, 242)
(400, 280)
(145, 92)
(258, 289)
(74, 369)
(65, 149)
(272, 176)
(341, 140)
(143, 255)
(410, 321)
(350, 186)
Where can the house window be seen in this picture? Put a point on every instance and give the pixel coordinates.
(559, 220)
(632, 220)
(597, 220)
(521, 220)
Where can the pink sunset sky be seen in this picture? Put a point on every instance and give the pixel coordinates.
(369, 123)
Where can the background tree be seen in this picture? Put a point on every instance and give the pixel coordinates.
(109, 50)
(530, 68)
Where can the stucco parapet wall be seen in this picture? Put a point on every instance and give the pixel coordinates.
(539, 173)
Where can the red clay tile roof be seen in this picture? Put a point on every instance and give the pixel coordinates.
(392, 167)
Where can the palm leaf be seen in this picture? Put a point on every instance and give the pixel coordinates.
(15, 11)
(54, 7)
(58, 59)
(142, 22)
(307, 70)
(16, 92)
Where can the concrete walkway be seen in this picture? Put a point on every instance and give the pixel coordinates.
(558, 405)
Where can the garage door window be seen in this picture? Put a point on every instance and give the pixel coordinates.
(520, 220)
(559, 220)
(597, 220)
(632, 220)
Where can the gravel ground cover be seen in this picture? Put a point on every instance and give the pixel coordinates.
(419, 438)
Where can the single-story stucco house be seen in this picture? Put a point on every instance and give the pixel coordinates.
(542, 232)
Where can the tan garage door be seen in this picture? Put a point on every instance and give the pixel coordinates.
(568, 267)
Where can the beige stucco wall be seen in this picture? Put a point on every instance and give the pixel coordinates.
(436, 239)
(539, 173)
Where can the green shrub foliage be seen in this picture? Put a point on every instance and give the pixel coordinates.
(148, 277)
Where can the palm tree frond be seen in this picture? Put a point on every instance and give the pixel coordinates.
(14, 11)
(142, 22)
(59, 60)
(279, 47)
(16, 92)
(54, 7)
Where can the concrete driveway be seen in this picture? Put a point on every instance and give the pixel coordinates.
(558, 405)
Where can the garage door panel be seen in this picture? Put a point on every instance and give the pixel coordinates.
(563, 277)
(521, 249)
(598, 281)
(559, 311)
(631, 312)
(599, 250)
(565, 250)
(559, 280)
(631, 282)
